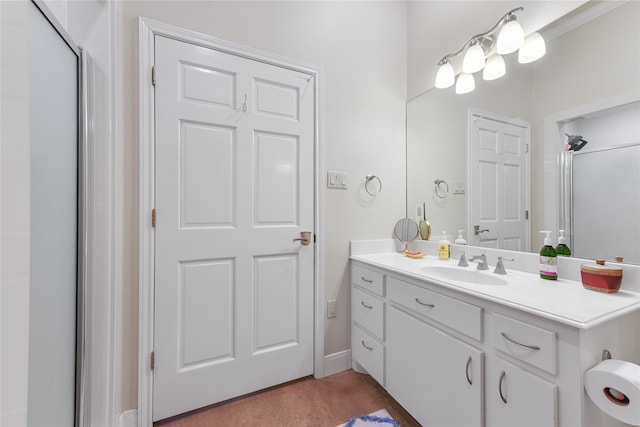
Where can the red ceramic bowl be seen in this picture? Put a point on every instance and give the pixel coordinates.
(598, 277)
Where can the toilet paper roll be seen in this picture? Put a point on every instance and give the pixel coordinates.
(614, 386)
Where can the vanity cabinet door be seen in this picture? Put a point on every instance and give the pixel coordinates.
(433, 375)
(515, 397)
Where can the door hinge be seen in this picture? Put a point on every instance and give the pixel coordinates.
(153, 75)
(526, 146)
(526, 214)
(314, 238)
(153, 360)
(153, 217)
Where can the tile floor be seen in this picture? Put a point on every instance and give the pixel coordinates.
(326, 402)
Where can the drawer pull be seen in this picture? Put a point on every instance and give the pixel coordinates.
(467, 371)
(507, 337)
(365, 305)
(423, 304)
(502, 375)
(366, 280)
(366, 346)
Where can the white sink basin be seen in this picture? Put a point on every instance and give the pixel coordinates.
(467, 275)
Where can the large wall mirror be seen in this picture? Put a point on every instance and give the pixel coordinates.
(587, 85)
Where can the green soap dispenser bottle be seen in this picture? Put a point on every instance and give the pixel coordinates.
(562, 249)
(548, 259)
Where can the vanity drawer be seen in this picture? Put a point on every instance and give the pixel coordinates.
(368, 279)
(368, 312)
(461, 316)
(531, 344)
(368, 352)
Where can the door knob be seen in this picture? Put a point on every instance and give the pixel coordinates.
(476, 230)
(305, 238)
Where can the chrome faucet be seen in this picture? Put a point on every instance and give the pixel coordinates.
(500, 266)
(463, 260)
(482, 265)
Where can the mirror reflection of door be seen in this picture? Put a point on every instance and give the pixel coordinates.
(499, 181)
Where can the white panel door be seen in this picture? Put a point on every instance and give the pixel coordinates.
(499, 184)
(234, 187)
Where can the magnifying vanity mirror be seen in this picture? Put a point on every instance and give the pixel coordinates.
(552, 145)
(406, 231)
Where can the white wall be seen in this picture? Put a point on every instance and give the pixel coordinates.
(362, 48)
(14, 214)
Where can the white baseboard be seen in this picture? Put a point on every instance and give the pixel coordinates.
(337, 362)
(128, 418)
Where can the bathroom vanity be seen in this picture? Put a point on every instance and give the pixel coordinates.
(509, 351)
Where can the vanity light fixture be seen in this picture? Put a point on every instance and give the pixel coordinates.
(484, 52)
(533, 49)
(495, 67)
(465, 84)
(446, 76)
(511, 36)
(474, 59)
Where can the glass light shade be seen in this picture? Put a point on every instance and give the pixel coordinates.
(446, 76)
(511, 37)
(533, 49)
(473, 59)
(495, 68)
(465, 84)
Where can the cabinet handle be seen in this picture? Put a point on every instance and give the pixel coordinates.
(365, 305)
(467, 371)
(365, 280)
(507, 337)
(366, 346)
(426, 305)
(502, 375)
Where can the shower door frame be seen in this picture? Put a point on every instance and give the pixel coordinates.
(83, 237)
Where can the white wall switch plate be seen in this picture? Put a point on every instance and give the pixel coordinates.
(331, 308)
(459, 187)
(337, 180)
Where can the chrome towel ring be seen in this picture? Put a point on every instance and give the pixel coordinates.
(442, 188)
(368, 179)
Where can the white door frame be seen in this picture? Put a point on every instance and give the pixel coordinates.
(508, 120)
(148, 29)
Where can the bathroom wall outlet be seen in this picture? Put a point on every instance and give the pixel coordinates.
(331, 308)
(337, 180)
(459, 187)
(419, 212)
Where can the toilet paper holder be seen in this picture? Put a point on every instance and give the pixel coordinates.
(615, 396)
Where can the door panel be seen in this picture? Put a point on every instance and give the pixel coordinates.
(499, 184)
(234, 187)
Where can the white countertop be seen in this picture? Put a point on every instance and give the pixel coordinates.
(563, 301)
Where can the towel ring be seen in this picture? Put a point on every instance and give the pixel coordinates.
(370, 178)
(441, 191)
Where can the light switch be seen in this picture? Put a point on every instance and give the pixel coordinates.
(337, 180)
(459, 187)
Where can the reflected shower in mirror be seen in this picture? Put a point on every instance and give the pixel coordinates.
(592, 64)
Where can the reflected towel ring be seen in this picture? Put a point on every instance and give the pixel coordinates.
(370, 178)
(441, 191)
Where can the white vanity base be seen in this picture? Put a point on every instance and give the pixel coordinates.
(474, 355)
